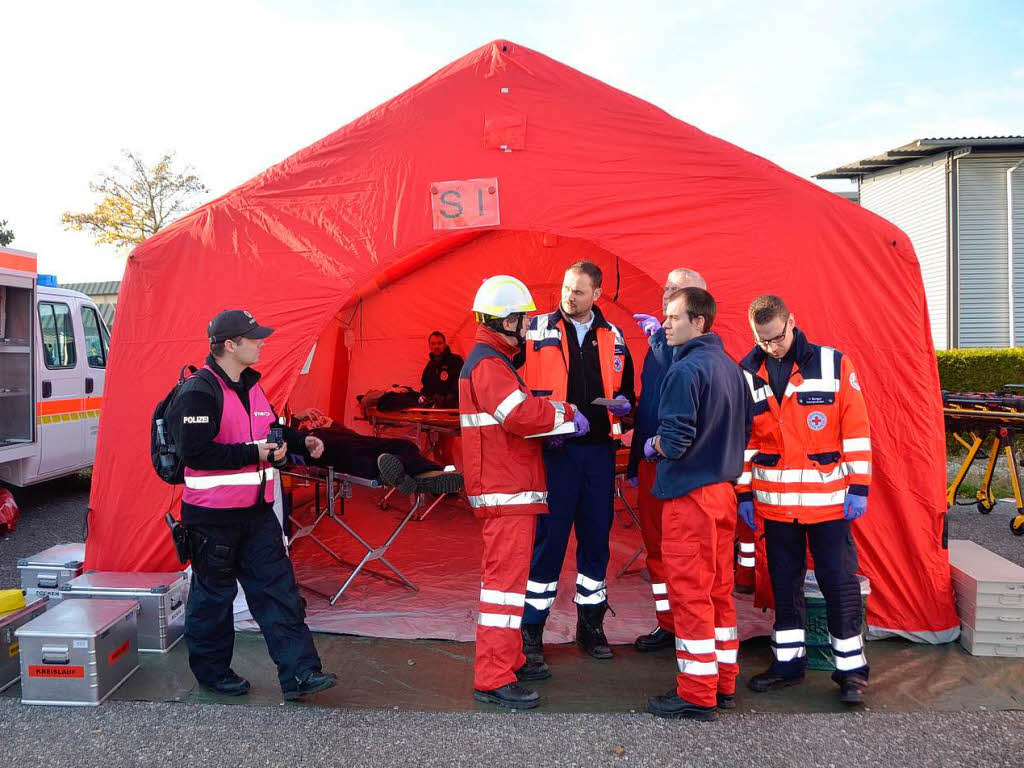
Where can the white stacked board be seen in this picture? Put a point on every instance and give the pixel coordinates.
(989, 600)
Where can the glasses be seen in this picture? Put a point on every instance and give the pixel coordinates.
(775, 340)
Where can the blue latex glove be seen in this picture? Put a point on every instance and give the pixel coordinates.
(649, 451)
(582, 425)
(620, 410)
(855, 506)
(633, 481)
(746, 513)
(649, 324)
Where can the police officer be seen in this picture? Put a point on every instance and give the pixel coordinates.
(574, 354)
(440, 378)
(220, 422)
(807, 472)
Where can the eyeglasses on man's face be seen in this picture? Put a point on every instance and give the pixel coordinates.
(775, 340)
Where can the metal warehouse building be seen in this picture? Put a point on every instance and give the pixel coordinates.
(961, 202)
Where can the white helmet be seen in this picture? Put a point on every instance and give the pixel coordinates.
(501, 296)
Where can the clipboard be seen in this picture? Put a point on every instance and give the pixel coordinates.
(566, 428)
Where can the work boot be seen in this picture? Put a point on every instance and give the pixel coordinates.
(228, 684)
(673, 707)
(771, 680)
(512, 695)
(533, 642)
(655, 641)
(312, 683)
(851, 690)
(392, 472)
(440, 484)
(532, 671)
(590, 630)
(726, 700)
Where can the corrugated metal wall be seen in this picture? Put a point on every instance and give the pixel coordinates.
(983, 277)
(913, 197)
(1018, 257)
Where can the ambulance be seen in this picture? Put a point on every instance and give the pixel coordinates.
(54, 349)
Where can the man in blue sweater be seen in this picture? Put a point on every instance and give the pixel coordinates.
(705, 419)
(640, 473)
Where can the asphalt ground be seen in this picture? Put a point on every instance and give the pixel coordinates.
(122, 733)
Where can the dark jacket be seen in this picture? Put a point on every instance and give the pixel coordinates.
(705, 419)
(195, 444)
(440, 379)
(645, 423)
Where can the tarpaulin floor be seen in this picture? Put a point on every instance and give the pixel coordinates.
(441, 556)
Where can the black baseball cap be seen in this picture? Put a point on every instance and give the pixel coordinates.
(235, 322)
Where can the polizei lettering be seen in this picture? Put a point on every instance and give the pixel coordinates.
(196, 419)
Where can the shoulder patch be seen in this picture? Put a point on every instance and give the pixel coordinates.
(853, 381)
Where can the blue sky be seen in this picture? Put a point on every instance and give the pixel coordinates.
(236, 86)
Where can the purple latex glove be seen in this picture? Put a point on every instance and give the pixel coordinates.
(649, 324)
(620, 410)
(746, 513)
(633, 481)
(855, 506)
(649, 450)
(582, 425)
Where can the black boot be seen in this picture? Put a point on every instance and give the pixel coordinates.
(672, 706)
(771, 680)
(312, 683)
(532, 671)
(590, 630)
(726, 700)
(655, 641)
(228, 684)
(851, 690)
(392, 472)
(512, 695)
(533, 642)
(439, 485)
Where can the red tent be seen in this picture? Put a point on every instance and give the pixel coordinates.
(363, 244)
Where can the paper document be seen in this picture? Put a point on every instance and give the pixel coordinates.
(566, 428)
(607, 403)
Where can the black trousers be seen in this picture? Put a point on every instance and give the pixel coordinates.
(835, 566)
(356, 454)
(250, 550)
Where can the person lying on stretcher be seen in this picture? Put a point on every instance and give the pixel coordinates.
(397, 462)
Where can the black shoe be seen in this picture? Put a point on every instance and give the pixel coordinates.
(392, 472)
(228, 684)
(673, 707)
(533, 642)
(590, 630)
(439, 485)
(532, 671)
(726, 700)
(851, 690)
(773, 681)
(512, 695)
(313, 683)
(655, 641)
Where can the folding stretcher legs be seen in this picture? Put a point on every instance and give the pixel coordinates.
(1002, 443)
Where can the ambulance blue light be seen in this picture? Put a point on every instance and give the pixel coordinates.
(47, 281)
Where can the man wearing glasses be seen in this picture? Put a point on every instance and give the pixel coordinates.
(806, 473)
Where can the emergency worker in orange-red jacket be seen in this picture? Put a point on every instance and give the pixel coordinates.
(807, 470)
(503, 429)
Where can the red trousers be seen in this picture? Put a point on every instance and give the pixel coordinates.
(698, 532)
(508, 546)
(649, 510)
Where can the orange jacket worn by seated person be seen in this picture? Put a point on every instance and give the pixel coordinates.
(808, 452)
(504, 472)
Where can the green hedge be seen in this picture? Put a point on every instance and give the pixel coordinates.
(980, 370)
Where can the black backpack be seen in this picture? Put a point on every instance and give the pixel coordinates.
(168, 465)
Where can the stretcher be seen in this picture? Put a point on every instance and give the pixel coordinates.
(621, 466)
(329, 505)
(974, 418)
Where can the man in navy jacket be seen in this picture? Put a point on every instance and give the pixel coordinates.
(704, 424)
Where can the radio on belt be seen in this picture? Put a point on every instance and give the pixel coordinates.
(43, 574)
(161, 596)
(10, 667)
(79, 652)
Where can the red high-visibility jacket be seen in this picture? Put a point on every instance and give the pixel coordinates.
(503, 468)
(808, 452)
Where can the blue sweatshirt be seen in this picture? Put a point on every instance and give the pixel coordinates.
(645, 420)
(705, 419)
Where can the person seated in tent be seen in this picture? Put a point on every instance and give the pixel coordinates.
(398, 462)
(440, 377)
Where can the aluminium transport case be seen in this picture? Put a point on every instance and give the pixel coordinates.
(79, 652)
(43, 574)
(10, 666)
(989, 600)
(161, 596)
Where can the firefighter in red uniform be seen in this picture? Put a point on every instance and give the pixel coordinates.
(505, 483)
(703, 424)
(806, 474)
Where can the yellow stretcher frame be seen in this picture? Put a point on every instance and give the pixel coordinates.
(1002, 443)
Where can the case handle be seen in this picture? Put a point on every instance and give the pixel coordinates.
(56, 654)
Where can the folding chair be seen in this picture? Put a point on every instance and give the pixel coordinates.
(339, 488)
(621, 461)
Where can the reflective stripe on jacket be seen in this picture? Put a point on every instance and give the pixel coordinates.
(235, 488)
(547, 355)
(808, 452)
(504, 470)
